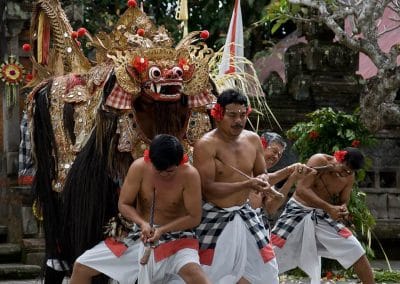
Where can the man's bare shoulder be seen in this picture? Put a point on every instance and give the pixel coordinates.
(138, 165)
(250, 135)
(190, 174)
(208, 140)
(189, 170)
(210, 135)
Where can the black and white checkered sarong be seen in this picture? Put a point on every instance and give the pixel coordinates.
(25, 162)
(215, 219)
(294, 214)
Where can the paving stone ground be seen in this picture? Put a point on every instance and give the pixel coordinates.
(376, 264)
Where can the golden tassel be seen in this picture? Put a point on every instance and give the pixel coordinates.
(43, 39)
(40, 37)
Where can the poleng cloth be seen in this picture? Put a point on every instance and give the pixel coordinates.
(304, 234)
(293, 214)
(213, 223)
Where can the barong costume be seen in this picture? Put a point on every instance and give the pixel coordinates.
(120, 260)
(302, 235)
(233, 244)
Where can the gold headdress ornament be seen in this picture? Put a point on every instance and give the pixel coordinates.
(135, 37)
(51, 28)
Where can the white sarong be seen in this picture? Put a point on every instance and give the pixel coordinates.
(237, 255)
(126, 268)
(312, 239)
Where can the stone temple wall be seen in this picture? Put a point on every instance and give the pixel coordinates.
(382, 183)
(319, 74)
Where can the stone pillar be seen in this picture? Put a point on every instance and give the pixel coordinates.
(15, 19)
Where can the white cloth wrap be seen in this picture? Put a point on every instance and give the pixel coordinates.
(126, 268)
(237, 255)
(310, 241)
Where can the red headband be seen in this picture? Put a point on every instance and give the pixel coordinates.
(146, 157)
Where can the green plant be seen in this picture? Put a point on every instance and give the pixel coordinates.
(387, 276)
(329, 131)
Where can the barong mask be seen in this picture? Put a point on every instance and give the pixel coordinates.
(149, 85)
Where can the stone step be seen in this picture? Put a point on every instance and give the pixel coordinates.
(19, 271)
(33, 251)
(10, 253)
(3, 233)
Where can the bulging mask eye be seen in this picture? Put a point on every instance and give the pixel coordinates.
(154, 73)
(177, 71)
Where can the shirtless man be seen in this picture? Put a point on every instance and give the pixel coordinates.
(311, 225)
(234, 244)
(273, 147)
(166, 190)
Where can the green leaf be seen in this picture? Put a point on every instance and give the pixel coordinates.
(278, 23)
(350, 134)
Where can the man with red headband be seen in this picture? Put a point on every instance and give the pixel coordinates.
(312, 224)
(161, 195)
(274, 145)
(234, 245)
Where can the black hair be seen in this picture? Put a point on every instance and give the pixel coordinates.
(354, 158)
(232, 96)
(165, 151)
(273, 137)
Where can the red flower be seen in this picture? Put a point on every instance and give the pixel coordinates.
(183, 63)
(81, 32)
(146, 155)
(329, 275)
(74, 35)
(132, 3)
(217, 112)
(204, 34)
(140, 32)
(184, 160)
(26, 47)
(356, 143)
(264, 142)
(313, 134)
(340, 155)
(249, 110)
(140, 64)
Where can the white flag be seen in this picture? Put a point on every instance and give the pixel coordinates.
(234, 43)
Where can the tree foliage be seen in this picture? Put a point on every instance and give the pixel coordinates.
(328, 131)
(213, 16)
